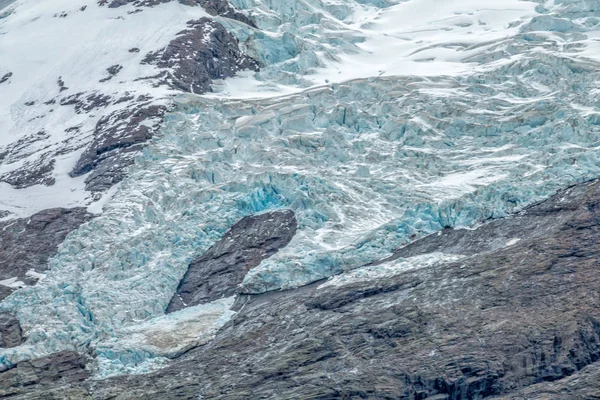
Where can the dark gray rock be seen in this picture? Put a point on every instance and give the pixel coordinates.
(6, 77)
(118, 137)
(10, 331)
(22, 148)
(53, 375)
(204, 52)
(112, 71)
(218, 272)
(27, 243)
(61, 84)
(581, 385)
(222, 8)
(86, 102)
(38, 172)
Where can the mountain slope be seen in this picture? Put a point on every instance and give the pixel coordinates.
(384, 128)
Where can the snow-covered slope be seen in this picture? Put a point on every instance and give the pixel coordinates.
(377, 122)
(76, 74)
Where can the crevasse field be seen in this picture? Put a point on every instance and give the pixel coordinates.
(377, 122)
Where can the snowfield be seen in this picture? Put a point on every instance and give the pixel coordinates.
(377, 122)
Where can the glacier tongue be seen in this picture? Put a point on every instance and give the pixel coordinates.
(367, 164)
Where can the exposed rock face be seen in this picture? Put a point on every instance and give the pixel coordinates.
(10, 331)
(200, 54)
(519, 320)
(218, 272)
(118, 137)
(32, 173)
(581, 385)
(51, 376)
(6, 77)
(27, 243)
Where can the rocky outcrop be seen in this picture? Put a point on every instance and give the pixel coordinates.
(6, 77)
(38, 172)
(118, 138)
(10, 331)
(50, 377)
(190, 63)
(217, 272)
(581, 385)
(26, 244)
(198, 55)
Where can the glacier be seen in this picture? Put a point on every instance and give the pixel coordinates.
(455, 129)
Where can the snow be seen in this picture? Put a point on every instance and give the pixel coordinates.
(38, 47)
(391, 268)
(416, 37)
(13, 283)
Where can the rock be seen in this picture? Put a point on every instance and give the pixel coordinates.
(204, 52)
(112, 71)
(53, 374)
(6, 77)
(222, 8)
(118, 137)
(584, 384)
(10, 331)
(38, 172)
(26, 244)
(217, 272)
(190, 62)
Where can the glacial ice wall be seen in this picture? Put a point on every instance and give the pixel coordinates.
(367, 164)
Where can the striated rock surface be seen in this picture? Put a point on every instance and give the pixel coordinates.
(52, 377)
(581, 385)
(217, 272)
(10, 331)
(26, 244)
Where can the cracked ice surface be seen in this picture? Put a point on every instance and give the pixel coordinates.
(368, 164)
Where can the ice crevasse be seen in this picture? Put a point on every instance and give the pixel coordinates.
(367, 163)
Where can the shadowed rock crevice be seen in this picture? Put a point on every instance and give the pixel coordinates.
(217, 272)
